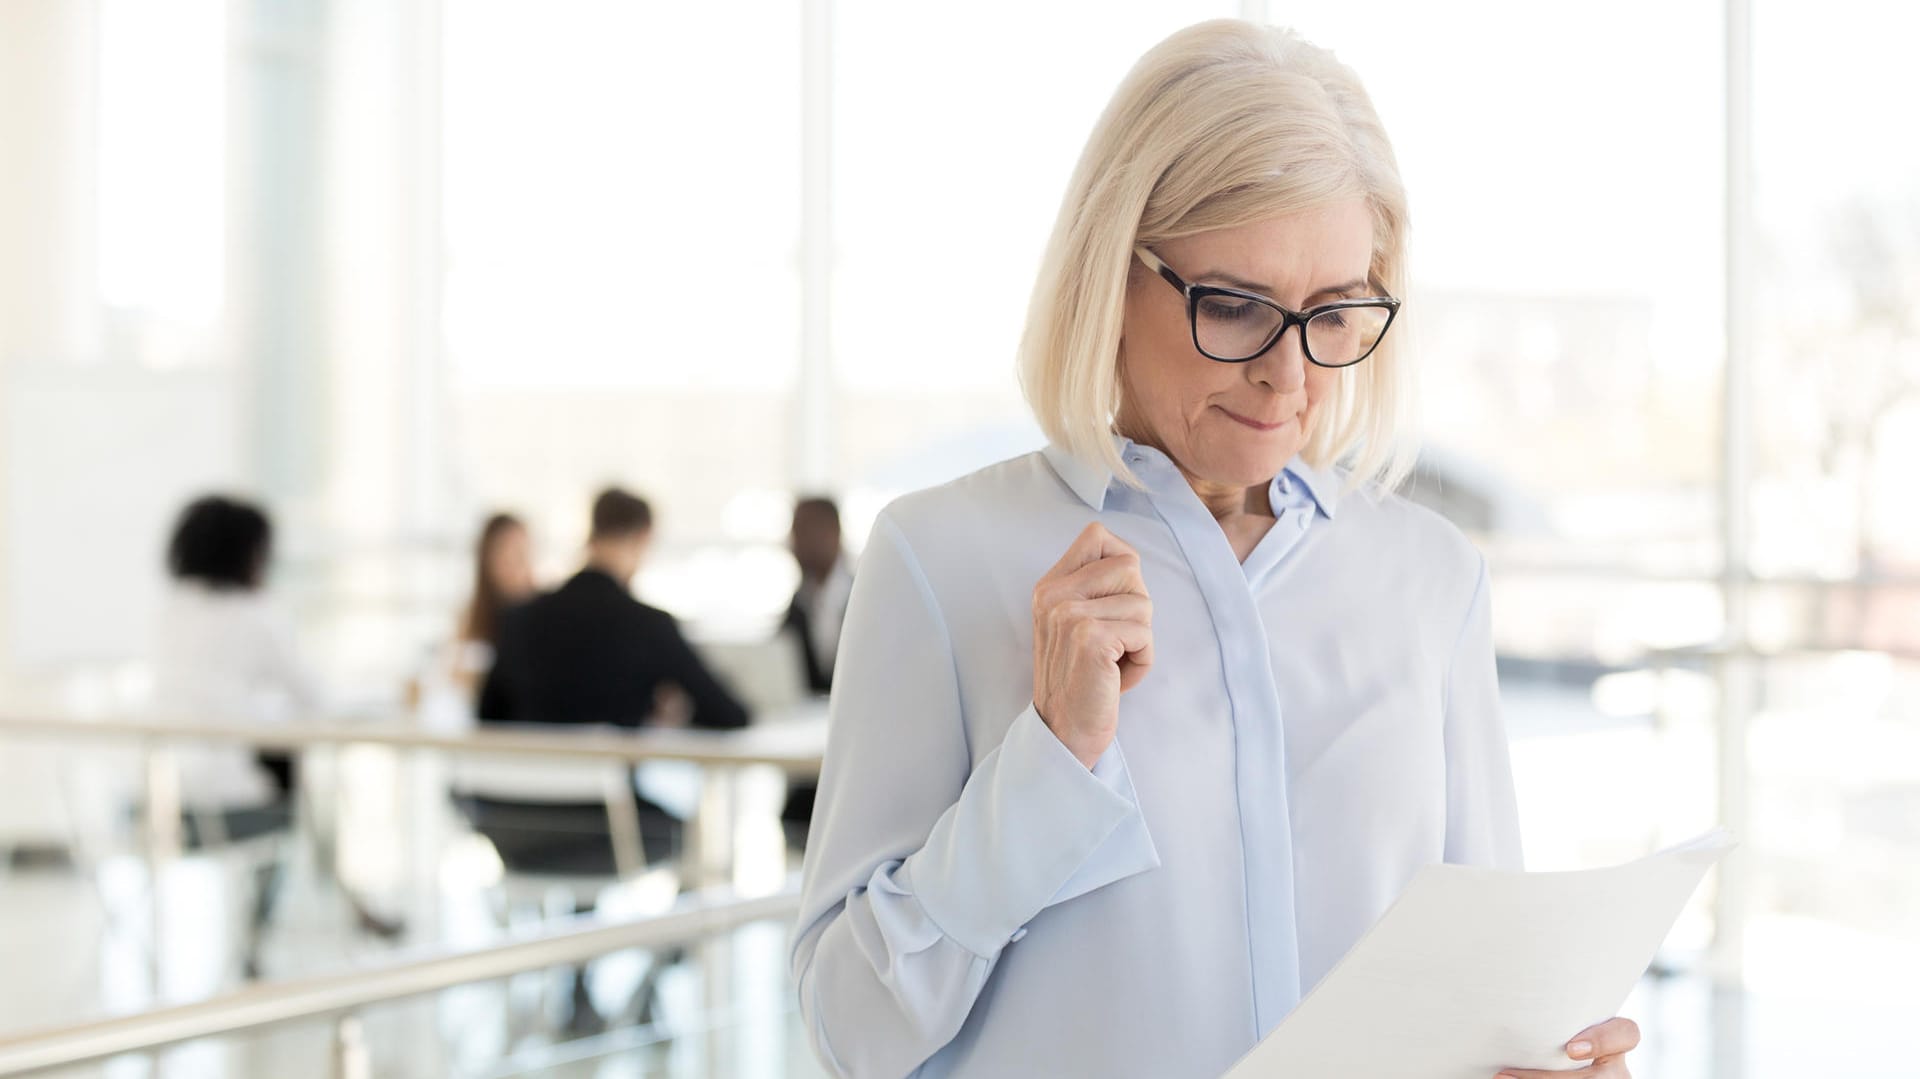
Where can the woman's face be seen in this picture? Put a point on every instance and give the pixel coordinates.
(510, 564)
(1237, 424)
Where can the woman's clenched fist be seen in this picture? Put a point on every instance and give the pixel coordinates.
(1092, 640)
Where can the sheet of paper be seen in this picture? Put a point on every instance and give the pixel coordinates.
(1472, 970)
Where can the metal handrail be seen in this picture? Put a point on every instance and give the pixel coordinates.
(1716, 651)
(579, 940)
(1509, 566)
(793, 745)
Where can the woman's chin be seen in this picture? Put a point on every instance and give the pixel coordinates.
(1247, 466)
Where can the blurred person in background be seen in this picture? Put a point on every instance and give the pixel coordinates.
(1134, 737)
(826, 580)
(502, 578)
(445, 694)
(224, 653)
(813, 619)
(590, 653)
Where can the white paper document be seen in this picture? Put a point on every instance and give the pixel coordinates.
(1473, 970)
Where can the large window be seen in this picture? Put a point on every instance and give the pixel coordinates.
(1838, 312)
(163, 172)
(1567, 283)
(622, 208)
(1835, 736)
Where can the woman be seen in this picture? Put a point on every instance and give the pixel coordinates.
(1134, 737)
(502, 578)
(224, 652)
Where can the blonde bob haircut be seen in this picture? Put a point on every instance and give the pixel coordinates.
(1223, 124)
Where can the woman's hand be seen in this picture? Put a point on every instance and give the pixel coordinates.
(1092, 640)
(1606, 1045)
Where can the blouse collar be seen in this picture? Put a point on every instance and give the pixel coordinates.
(1090, 480)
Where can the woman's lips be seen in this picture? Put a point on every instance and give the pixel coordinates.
(1253, 423)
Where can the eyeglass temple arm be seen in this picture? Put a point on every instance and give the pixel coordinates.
(1152, 262)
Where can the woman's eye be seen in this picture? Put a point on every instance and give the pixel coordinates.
(1225, 309)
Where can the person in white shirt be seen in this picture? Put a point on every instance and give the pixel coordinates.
(1133, 737)
(224, 653)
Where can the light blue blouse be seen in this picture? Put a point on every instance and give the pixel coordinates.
(1319, 723)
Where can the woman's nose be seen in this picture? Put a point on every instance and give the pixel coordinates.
(1284, 366)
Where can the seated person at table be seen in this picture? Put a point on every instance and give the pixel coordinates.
(446, 691)
(826, 580)
(502, 579)
(590, 653)
(224, 654)
(813, 618)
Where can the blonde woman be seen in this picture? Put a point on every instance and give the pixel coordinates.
(1133, 737)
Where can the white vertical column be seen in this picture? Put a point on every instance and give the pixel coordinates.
(385, 490)
(1737, 672)
(424, 489)
(813, 463)
(280, 251)
(49, 309)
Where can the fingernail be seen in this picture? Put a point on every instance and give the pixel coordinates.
(1580, 1049)
(1506, 1075)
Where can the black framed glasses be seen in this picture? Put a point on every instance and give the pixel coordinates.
(1235, 326)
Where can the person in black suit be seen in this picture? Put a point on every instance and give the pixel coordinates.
(826, 579)
(819, 606)
(590, 653)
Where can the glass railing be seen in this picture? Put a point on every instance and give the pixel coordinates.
(693, 984)
(129, 908)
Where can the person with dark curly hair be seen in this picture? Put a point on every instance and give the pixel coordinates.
(225, 653)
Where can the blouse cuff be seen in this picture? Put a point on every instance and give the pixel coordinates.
(1033, 827)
